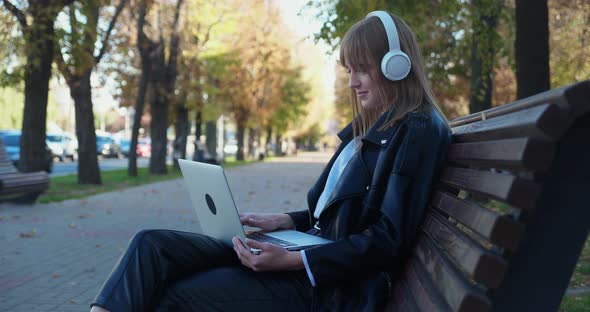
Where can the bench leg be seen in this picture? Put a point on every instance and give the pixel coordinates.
(25, 199)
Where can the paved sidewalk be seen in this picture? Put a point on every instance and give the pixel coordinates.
(54, 257)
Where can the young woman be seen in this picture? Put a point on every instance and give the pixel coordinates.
(370, 200)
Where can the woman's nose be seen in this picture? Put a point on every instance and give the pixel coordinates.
(353, 81)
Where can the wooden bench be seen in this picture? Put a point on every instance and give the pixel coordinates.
(19, 187)
(511, 212)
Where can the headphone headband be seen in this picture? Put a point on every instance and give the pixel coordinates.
(390, 29)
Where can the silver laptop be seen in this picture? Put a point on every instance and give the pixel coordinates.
(218, 214)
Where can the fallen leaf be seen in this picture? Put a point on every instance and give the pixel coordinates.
(29, 234)
(55, 276)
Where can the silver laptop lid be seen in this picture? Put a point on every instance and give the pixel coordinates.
(209, 191)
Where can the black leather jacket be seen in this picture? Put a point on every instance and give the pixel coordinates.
(374, 211)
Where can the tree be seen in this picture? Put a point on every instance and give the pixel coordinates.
(532, 47)
(196, 79)
(146, 48)
(80, 44)
(293, 98)
(158, 76)
(569, 24)
(254, 69)
(484, 41)
(37, 25)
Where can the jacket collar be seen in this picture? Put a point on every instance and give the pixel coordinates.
(380, 137)
(346, 133)
(374, 135)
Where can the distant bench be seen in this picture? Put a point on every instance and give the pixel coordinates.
(19, 187)
(511, 212)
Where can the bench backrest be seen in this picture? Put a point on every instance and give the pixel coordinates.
(6, 165)
(510, 214)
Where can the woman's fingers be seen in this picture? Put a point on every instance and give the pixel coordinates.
(256, 244)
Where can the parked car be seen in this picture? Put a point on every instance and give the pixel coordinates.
(63, 145)
(106, 147)
(11, 141)
(230, 148)
(125, 146)
(144, 147)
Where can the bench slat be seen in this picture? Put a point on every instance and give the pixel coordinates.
(402, 300)
(482, 265)
(522, 154)
(504, 187)
(421, 289)
(457, 291)
(545, 122)
(14, 183)
(571, 99)
(502, 231)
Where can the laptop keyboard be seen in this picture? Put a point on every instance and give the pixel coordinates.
(261, 237)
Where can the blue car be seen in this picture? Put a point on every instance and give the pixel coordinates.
(11, 141)
(107, 147)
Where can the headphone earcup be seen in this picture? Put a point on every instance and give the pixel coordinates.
(396, 65)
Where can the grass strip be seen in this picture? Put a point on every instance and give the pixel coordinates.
(575, 303)
(67, 187)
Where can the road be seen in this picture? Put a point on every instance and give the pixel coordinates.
(69, 167)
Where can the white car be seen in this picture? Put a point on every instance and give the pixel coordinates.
(63, 145)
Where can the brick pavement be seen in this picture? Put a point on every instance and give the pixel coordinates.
(54, 257)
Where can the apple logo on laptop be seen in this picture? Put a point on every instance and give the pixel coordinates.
(211, 204)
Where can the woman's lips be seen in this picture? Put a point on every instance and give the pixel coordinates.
(362, 94)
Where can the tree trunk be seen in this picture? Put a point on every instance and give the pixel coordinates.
(146, 48)
(211, 138)
(39, 41)
(139, 104)
(278, 145)
(251, 140)
(81, 92)
(532, 47)
(483, 54)
(240, 137)
(198, 123)
(159, 112)
(182, 129)
(268, 139)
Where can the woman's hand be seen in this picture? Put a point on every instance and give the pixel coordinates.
(268, 221)
(271, 257)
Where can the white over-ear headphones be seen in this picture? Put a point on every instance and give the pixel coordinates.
(395, 65)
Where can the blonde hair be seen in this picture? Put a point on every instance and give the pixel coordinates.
(362, 48)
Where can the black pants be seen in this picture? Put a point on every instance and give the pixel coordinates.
(164, 270)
